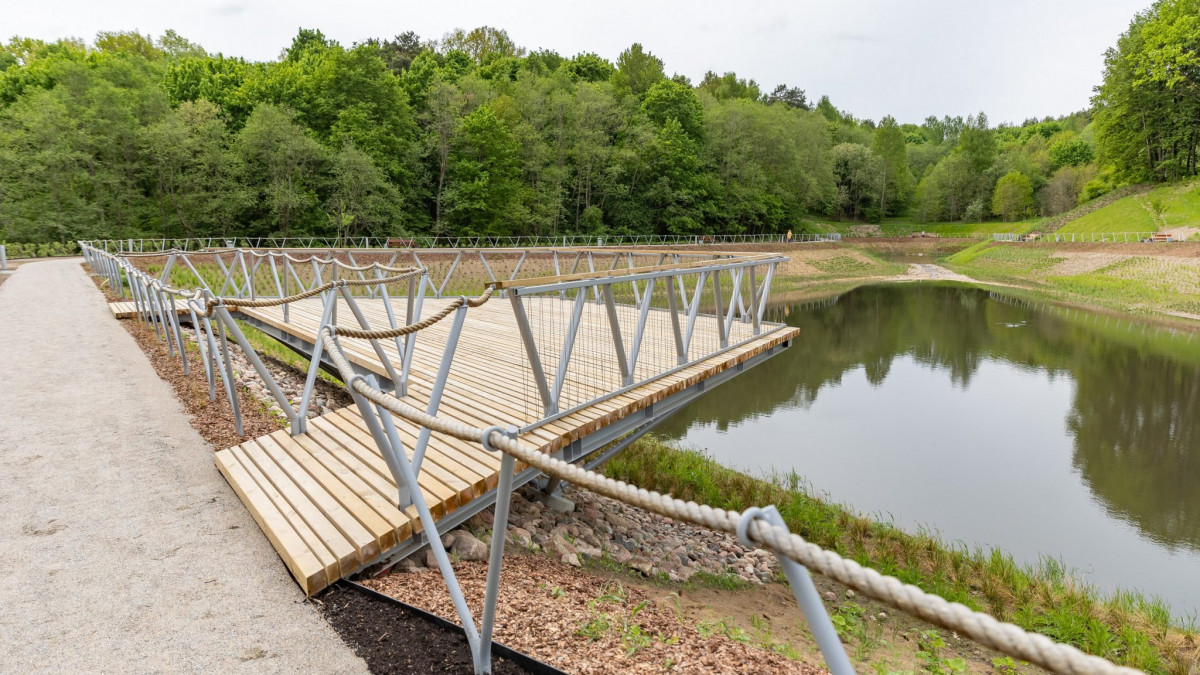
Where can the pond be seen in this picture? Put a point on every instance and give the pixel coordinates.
(1042, 431)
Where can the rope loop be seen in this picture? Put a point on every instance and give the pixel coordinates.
(485, 438)
(748, 516)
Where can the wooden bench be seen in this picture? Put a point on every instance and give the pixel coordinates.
(400, 243)
(1162, 236)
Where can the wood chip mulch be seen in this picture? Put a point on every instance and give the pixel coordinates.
(582, 623)
(213, 419)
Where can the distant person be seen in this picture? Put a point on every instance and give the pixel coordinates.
(789, 236)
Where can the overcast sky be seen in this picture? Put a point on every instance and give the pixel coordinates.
(1010, 58)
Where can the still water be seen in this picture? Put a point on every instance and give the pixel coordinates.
(1041, 431)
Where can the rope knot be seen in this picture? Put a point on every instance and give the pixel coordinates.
(748, 516)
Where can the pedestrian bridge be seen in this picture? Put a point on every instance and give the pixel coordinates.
(576, 351)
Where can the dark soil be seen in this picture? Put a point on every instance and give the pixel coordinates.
(393, 640)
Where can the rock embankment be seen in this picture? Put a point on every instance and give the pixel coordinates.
(603, 528)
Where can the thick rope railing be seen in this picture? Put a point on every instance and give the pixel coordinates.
(234, 303)
(383, 334)
(983, 628)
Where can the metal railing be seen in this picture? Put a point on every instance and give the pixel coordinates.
(615, 331)
(652, 312)
(143, 245)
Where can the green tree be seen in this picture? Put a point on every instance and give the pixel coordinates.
(482, 43)
(978, 143)
(187, 158)
(484, 187)
(590, 67)
(361, 201)
(1070, 151)
(728, 86)
(1148, 105)
(637, 71)
(398, 53)
(282, 165)
(1013, 196)
(857, 175)
(669, 100)
(889, 145)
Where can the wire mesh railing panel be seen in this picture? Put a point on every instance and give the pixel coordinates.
(590, 339)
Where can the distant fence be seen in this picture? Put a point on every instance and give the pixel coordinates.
(1090, 237)
(418, 242)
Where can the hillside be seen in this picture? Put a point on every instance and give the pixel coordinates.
(1171, 208)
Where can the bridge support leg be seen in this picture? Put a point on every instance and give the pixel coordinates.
(551, 496)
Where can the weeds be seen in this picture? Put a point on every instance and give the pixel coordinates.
(930, 652)
(1127, 628)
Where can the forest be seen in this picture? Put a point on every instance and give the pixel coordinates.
(132, 135)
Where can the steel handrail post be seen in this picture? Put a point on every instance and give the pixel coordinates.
(205, 355)
(435, 541)
(310, 379)
(227, 375)
(564, 359)
(735, 299)
(496, 555)
(256, 362)
(531, 352)
(643, 315)
(362, 322)
(766, 292)
(720, 312)
(453, 266)
(439, 384)
(805, 592)
(673, 310)
(174, 318)
(614, 326)
(410, 340)
(693, 311)
(754, 300)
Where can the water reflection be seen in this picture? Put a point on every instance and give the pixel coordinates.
(1130, 419)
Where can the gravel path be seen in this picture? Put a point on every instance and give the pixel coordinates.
(121, 547)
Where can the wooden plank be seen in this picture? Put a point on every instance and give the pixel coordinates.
(435, 481)
(440, 498)
(451, 457)
(343, 552)
(332, 498)
(304, 566)
(306, 534)
(347, 468)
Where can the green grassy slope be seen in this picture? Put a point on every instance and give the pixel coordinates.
(1181, 208)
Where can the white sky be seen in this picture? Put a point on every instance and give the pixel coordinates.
(1010, 58)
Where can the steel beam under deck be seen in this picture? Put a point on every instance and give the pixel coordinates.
(597, 447)
(635, 425)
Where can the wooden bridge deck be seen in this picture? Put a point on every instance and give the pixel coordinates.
(128, 309)
(326, 499)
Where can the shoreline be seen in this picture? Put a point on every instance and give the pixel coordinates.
(598, 543)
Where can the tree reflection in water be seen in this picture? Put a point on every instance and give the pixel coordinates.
(1133, 417)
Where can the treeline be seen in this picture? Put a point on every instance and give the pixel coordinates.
(473, 134)
(1148, 107)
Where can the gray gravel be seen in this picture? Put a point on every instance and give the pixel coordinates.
(121, 546)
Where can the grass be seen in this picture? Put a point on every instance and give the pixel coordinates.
(1141, 284)
(1124, 215)
(902, 227)
(266, 345)
(1128, 628)
(1178, 205)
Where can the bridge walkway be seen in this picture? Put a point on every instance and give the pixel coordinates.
(326, 498)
